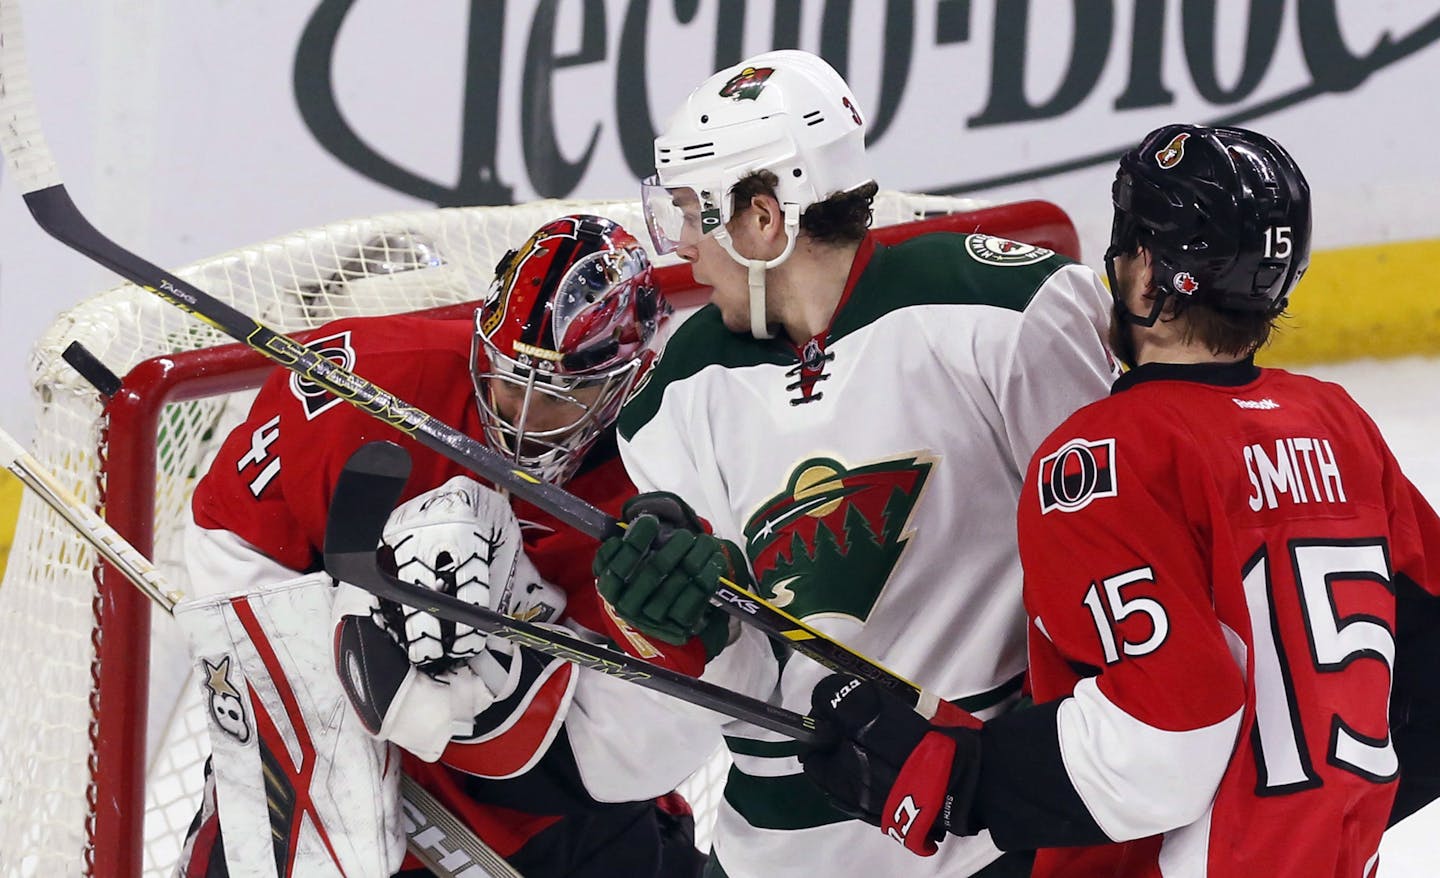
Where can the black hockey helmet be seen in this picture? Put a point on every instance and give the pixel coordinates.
(1224, 213)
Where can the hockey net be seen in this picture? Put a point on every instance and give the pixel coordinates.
(102, 736)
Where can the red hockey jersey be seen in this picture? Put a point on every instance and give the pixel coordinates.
(1212, 558)
(271, 482)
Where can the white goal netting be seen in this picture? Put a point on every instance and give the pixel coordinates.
(49, 604)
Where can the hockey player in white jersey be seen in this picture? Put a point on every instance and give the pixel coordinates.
(851, 422)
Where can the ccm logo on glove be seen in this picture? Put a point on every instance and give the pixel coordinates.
(844, 690)
(903, 819)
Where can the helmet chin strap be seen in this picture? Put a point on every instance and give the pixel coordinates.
(1124, 340)
(759, 327)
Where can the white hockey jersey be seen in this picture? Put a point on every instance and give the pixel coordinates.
(872, 477)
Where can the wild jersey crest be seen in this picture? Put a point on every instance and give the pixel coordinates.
(828, 543)
(747, 84)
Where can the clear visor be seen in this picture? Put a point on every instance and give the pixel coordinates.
(678, 216)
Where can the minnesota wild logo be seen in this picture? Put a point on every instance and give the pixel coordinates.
(1003, 251)
(747, 84)
(828, 543)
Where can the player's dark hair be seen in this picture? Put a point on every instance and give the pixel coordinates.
(843, 218)
(1224, 330)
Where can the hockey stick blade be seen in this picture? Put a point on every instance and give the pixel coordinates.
(368, 487)
(37, 177)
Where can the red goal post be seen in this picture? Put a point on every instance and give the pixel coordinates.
(102, 742)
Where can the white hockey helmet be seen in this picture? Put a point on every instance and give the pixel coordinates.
(787, 112)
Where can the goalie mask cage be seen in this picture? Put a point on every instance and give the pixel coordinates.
(102, 736)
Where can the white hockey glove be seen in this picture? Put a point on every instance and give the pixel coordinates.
(461, 539)
(416, 680)
(395, 700)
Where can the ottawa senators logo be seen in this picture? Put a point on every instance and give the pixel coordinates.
(316, 399)
(828, 543)
(1080, 471)
(1173, 152)
(747, 84)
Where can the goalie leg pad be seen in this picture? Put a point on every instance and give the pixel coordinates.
(301, 787)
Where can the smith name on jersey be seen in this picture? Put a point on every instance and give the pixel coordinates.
(873, 488)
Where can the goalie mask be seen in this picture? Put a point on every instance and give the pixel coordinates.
(560, 341)
(1224, 213)
(787, 112)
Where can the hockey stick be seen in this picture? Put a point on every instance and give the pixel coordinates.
(369, 485)
(94, 529)
(429, 825)
(38, 179)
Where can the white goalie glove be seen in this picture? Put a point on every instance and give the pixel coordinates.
(461, 539)
(405, 671)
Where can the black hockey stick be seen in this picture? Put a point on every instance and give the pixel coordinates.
(45, 195)
(365, 494)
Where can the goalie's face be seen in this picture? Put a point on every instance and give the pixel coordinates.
(540, 409)
(544, 422)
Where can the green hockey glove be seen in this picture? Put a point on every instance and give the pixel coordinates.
(661, 574)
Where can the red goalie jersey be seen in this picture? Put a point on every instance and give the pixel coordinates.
(584, 808)
(1222, 622)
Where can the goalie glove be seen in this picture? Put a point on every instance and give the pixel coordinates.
(461, 539)
(892, 768)
(492, 716)
(396, 700)
(416, 680)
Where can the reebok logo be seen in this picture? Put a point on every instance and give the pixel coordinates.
(844, 690)
(1260, 404)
